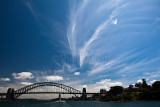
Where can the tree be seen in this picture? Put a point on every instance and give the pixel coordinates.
(116, 90)
(130, 86)
(138, 85)
(144, 84)
(156, 85)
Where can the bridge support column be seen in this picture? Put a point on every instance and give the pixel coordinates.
(59, 97)
(10, 94)
(84, 95)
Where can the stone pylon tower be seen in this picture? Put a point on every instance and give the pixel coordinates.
(84, 95)
(10, 94)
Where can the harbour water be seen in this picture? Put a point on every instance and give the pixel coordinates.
(77, 104)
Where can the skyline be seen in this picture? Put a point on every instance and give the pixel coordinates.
(113, 42)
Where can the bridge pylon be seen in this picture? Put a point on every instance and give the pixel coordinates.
(84, 95)
(10, 94)
(59, 97)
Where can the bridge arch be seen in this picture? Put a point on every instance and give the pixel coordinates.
(25, 89)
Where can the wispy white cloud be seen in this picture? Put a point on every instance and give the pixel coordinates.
(102, 84)
(117, 62)
(53, 78)
(108, 4)
(84, 50)
(26, 83)
(29, 6)
(102, 67)
(140, 66)
(75, 30)
(5, 79)
(114, 21)
(71, 30)
(48, 75)
(151, 82)
(83, 86)
(108, 81)
(77, 73)
(140, 80)
(152, 75)
(71, 38)
(65, 67)
(69, 67)
(23, 75)
(74, 83)
(3, 89)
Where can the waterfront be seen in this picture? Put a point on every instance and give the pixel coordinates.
(78, 104)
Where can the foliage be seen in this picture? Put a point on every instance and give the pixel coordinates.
(116, 90)
(141, 91)
(156, 85)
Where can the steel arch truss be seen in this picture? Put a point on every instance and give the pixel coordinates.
(25, 89)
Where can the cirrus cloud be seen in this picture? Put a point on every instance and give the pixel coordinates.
(114, 21)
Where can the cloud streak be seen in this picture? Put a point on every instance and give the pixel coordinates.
(84, 50)
(110, 28)
(76, 31)
(30, 7)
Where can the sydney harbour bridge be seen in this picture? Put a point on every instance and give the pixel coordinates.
(45, 88)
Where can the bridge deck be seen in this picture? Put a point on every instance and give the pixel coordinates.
(2, 94)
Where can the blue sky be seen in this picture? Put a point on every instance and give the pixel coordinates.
(88, 43)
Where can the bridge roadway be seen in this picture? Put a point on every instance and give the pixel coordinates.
(11, 94)
(3, 94)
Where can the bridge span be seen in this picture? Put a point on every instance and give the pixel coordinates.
(31, 89)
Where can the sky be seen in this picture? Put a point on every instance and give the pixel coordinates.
(81, 43)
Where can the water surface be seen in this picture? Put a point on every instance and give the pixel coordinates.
(77, 104)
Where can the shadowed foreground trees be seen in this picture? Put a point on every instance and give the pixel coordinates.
(141, 91)
(114, 93)
(156, 86)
